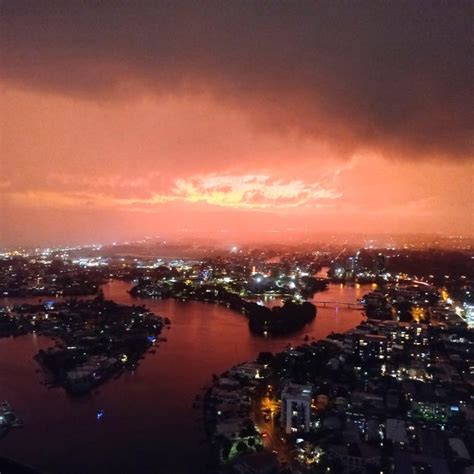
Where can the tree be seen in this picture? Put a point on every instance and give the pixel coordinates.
(241, 447)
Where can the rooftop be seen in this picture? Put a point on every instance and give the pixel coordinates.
(293, 390)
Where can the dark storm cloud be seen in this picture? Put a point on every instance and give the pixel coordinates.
(395, 76)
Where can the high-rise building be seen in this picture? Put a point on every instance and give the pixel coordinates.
(296, 407)
(469, 311)
(371, 347)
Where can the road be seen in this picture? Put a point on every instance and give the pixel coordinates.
(272, 440)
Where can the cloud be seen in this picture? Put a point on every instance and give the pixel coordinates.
(136, 116)
(239, 192)
(253, 192)
(392, 77)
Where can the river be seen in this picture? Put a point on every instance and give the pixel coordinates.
(149, 425)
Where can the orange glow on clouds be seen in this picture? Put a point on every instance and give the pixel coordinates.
(174, 163)
(250, 117)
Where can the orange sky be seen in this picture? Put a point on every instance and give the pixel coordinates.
(142, 158)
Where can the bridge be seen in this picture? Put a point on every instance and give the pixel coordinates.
(346, 304)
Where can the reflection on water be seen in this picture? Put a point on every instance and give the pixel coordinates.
(148, 424)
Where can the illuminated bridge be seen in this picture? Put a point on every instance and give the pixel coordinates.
(345, 304)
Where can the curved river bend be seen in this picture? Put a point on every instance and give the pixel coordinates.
(149, 425)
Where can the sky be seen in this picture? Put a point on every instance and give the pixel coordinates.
(124, 119)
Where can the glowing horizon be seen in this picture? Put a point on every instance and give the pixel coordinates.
(273, 127)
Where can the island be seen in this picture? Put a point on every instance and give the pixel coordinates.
(94, 339)
(292, 316)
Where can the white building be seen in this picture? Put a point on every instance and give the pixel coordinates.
(469, 311)
(296, 407)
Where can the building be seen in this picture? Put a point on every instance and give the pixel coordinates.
(296, 407)
(396, 432)
(356, 458)
(469, 312)
(370, 347)
(247, 370)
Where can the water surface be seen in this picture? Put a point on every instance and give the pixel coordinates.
(149, 424)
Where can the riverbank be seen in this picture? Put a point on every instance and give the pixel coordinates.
(206, 338)
(367, 398)
(95, 340)
(286, 319)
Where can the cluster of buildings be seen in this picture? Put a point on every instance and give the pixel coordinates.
(237, 275)
(391, 396)
(414, 300)
(43, 276)
(362, 266)
(95, 339)
(394, 398)
(235, 438)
